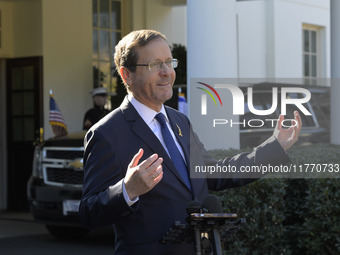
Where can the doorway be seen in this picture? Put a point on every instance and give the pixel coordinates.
(24, 118)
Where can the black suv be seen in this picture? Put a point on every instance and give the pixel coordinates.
(54, 188)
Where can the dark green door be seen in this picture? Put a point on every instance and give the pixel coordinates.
(24, 118)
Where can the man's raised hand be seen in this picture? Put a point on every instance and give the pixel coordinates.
(143, 177)
(287, 137)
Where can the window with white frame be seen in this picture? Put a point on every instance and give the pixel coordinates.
(311, 54)
(107, 31)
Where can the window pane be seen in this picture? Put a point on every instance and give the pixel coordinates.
(16, 78)
(306, 40)
(313, 41)
(310, 56)
(28, 77)
(106, 24)
(28, 103)
(104, 14)
(104, 69)
(96, 77)
(104, 45)
(95, 13)
(306, 65)
(29, 129)
(115, 38)
(17, 107)
(95, 44)
(313, 66)
(115, 15)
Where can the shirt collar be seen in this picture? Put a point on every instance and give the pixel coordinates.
(144, 111)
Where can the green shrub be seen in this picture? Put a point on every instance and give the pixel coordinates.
(295, 212)
(320, 232)
(287, 216)
(262, 205)
(316, 229)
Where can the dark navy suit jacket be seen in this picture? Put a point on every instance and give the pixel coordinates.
(110, 146)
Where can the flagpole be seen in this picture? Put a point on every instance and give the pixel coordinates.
(41, 134)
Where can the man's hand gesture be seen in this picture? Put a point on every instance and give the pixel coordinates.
(287, 137)
(142, 177)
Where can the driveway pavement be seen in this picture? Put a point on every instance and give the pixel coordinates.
(19, 234)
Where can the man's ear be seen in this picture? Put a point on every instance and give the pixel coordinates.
(125, 74)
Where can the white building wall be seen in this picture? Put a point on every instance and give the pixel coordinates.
(67, 63)
(252, 39)
(212, 53)
(289, 19)
(168, 19)
(20, 29)
(270, 37)
(27, 28)
(6, 49)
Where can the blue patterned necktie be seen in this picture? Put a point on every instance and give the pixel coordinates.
(175, 155)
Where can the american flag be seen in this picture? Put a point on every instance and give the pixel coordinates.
(56, 119)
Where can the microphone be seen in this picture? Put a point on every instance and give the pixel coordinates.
(212, 203)
(193, 206)
(179, 232)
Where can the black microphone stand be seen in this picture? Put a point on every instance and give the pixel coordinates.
(198, 240)
(203, 228)
(213, 224)
(207, 224)
(217, 242)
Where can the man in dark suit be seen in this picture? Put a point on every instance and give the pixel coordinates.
(130, 178)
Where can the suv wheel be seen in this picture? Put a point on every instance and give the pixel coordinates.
(62, 232)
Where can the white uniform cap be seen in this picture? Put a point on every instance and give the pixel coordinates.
(100, 90)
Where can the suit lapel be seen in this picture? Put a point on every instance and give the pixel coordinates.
(142, 130)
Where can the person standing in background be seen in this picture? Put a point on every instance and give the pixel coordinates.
(93, 115)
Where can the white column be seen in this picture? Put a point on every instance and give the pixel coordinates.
(212, 53)
(212, 42)
(270, 38)
(335, 71)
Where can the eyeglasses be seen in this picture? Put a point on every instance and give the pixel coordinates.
(157, 65)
